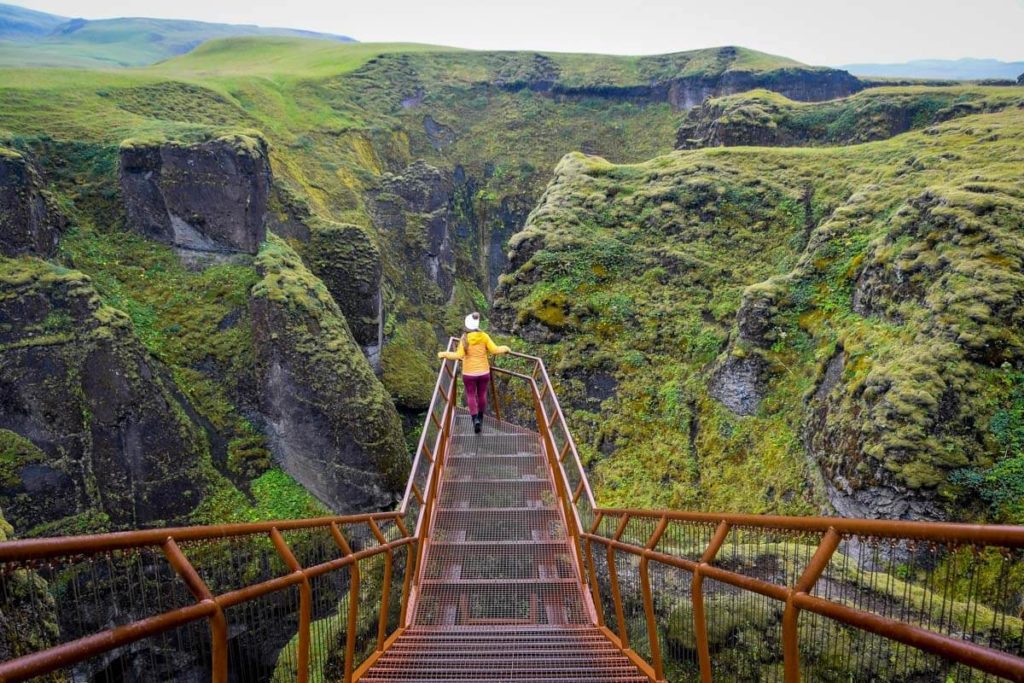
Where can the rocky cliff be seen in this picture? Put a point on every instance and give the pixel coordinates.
(30, 222)
(92, 428)
(208, 197)
(770, 119)
(330, 423)
(873, 368)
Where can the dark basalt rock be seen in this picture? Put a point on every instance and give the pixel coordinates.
(741, 377)
(30, 222)
(329, 421)
(94, 428)
(348, 261)
(416, 208)
(207, 197)
(739, 383)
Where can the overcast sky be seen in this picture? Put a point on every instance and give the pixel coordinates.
(813, 31)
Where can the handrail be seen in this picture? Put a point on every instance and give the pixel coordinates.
(24, 553)
(833, 532)
(719, 549)
(208, 605)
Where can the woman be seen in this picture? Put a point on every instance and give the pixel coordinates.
(473, 350)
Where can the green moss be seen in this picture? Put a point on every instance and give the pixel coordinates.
(15, 452)
(409, 364)
(275, 495)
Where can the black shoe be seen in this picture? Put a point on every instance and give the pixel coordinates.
(478, 424)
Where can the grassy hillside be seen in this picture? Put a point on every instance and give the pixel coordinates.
(869, 296)
(761, 117)
(30, 38)
(21, 23)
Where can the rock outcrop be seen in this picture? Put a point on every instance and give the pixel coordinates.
(206, 197)
(740, 378)
(89, 427)
(414, 209)
(348, 262)
(329, 421)
(768, 119)
(30, 223)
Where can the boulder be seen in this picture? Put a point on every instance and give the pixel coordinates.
(90, 429)
(329, 421)
(206, 197)
(30, 222)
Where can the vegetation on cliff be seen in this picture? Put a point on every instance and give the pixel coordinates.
(765, 118)
(867, 300)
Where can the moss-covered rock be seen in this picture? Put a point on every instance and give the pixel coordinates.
(30, 222)
(765, 118)
(103, 432)
(409, 365)
(330, 423)
(857, 308)
(348, 262)
(210, 196)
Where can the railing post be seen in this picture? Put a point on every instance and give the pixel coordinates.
(594, 587)
(305, 605)
(790, 633)
(353, 604)
(410, 566)
(645, 585)
(700, 626)
(613, 576)
(218, 622)
(495, 403)
(382, 625)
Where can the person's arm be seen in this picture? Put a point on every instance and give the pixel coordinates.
(458, 354)
(494, 349)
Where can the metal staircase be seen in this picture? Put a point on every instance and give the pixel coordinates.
(499, 566)
(500, 597)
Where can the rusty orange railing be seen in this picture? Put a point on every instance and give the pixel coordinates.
(684, 595)
(197, 577)
(955, 591)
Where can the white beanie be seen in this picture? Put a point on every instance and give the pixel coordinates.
(473, 322)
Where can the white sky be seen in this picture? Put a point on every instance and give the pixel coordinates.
(813, 31)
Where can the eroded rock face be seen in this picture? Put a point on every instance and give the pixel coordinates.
(348, 261)
(329, 421)
(740, 379)
(30, 223)
(91, 426)
(207, 197)
(415, 207)
(802, 85)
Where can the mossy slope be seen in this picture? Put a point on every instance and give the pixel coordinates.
(900, 258)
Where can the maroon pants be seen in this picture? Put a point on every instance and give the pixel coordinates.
(476, 392)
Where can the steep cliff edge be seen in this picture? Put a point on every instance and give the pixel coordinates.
(330, 422)
(92, 429)
(30, 222)
(770, 119)
(207, 197)
(874, 368)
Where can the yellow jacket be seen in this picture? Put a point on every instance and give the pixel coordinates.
(474, 358)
